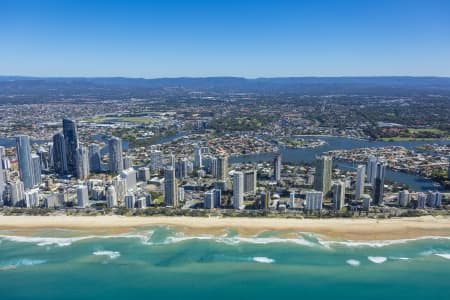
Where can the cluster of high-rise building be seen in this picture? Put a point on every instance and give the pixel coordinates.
(66, 157)
(123, 186)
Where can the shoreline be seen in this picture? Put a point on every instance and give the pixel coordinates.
(349, 229)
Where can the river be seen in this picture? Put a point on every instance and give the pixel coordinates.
(416, 183)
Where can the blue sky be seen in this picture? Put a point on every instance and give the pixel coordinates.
(250, 38)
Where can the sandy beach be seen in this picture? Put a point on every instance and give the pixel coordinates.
(353, 229)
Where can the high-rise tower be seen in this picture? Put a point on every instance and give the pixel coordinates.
(23, 150)
(59, 154)
(71, 141)
(170, 187)
(277, 167)
(115, 155)
(238, 190)
(359, 184)
(378, 185)
(322, 181)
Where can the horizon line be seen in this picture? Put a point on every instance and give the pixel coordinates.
(223, 76)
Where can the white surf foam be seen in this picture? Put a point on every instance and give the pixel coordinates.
(377, 259)
(111, 254)
(234, 240)
(67, 241)
(181, 238)
(43, 241)
(379, 244)
(443, 255)
(263, 260)
(353, 262)
(399, 258)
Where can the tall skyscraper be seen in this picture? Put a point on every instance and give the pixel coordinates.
(213, 166)
(94, 158)
(44, 158)
(71, 141)
(170, 187)
(115, 155)
(378, 185)
(23, 150)
(2, 175)
(36, 169)
(82, 163)
(222, 168)
(155, 161)
(264, 200)
(359, 184)
(171, 161)
(322, 180)
(292, 200)
(198, 158)
(180, 195)
(182, 168)
(82, 196)
(277, 167)
(371, 169)
(59, 154)
(238, 190)
(339, 195)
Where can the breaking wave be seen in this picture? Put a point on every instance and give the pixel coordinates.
(379, 244)
(353, 262)
(110, 254)
(67, 241)
(443, 255)
(147, 238)
(377, 259)
(263, 260)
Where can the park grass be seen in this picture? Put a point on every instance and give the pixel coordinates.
(414, 131)
(431, 130)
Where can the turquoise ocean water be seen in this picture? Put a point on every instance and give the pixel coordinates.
(163, 263)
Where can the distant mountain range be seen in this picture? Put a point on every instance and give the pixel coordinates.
(282, 85)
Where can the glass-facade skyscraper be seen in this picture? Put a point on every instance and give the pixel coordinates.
(115, 155)
(322, 180)
(23, 150)
(94, 158)
(170, 185)
(59, 154)
(378, 186)
(71, 141)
